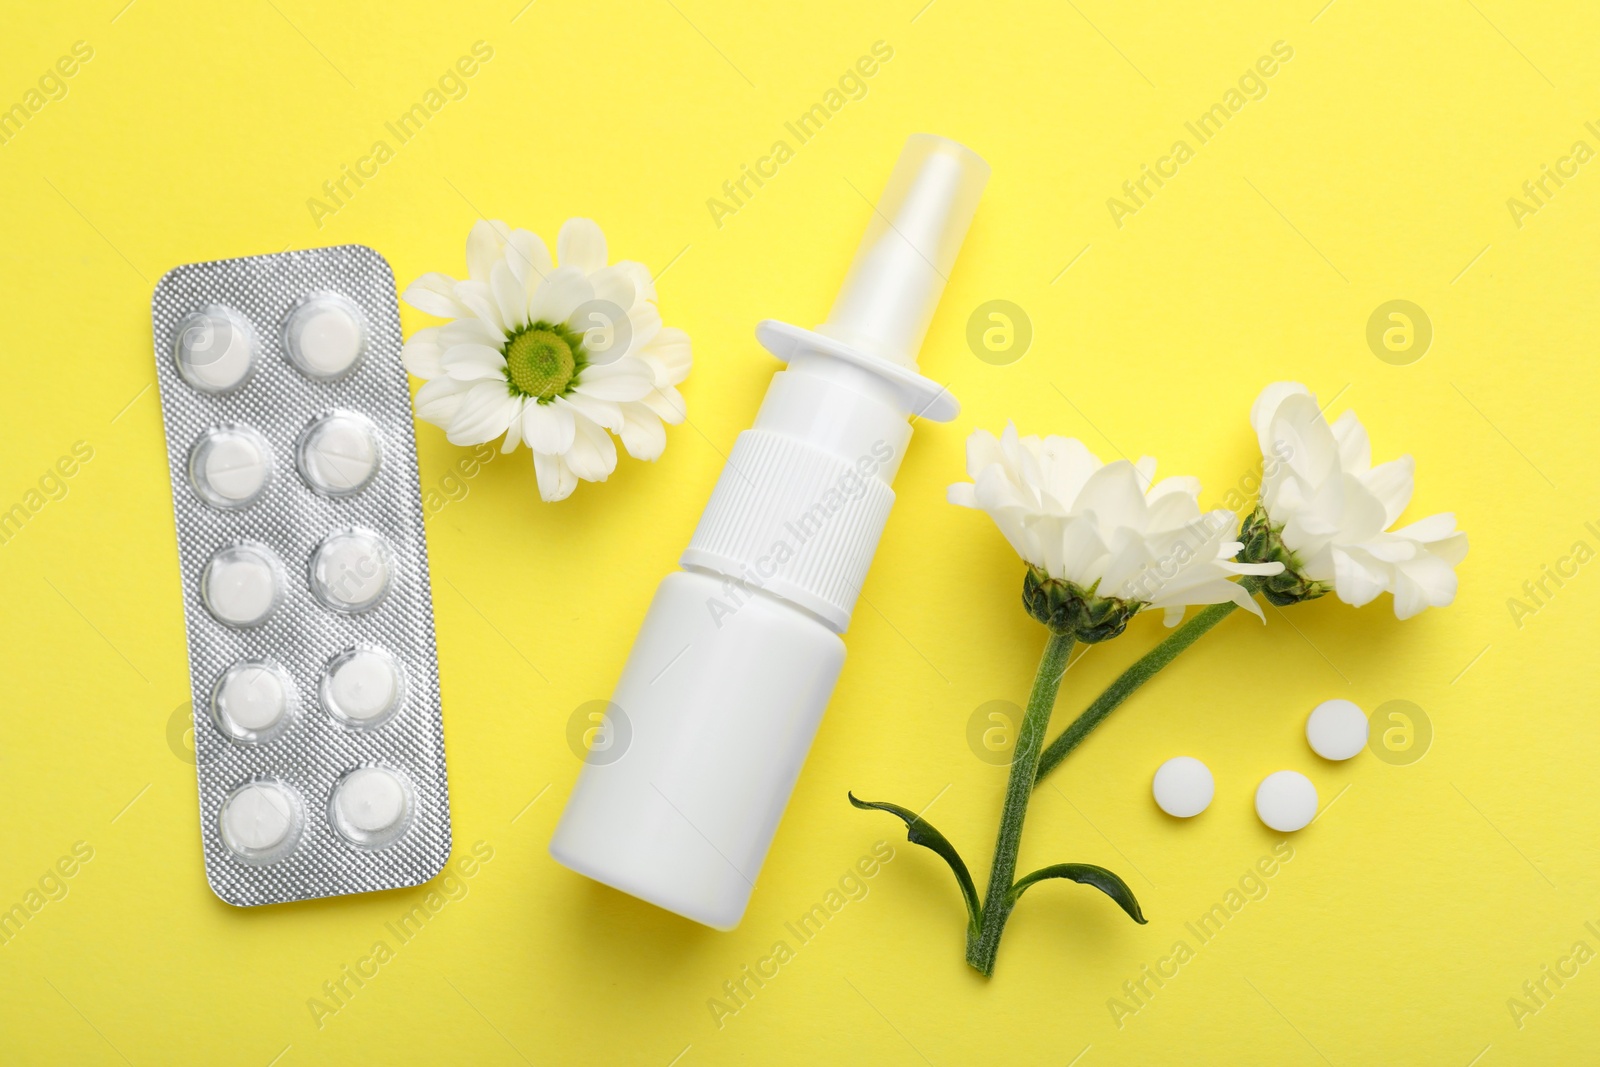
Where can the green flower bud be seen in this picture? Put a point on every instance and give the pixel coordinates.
(1067, 608)
(1263, 543)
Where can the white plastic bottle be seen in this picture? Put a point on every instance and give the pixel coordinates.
(739, 653)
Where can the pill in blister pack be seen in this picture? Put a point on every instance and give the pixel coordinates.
(304, 569)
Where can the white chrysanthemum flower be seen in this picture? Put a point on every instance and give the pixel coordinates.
(1102, 540)
(551, 356)
(1325, 512)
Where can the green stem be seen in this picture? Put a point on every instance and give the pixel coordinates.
(984, 943)
(1133, 678)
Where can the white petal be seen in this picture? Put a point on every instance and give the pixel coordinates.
(555, 478)
(643, 434)
(439, 400)
(1065, 465)
(605, 413)
(669, 355)
(1172, 510)
(470, 331)
(644, 323)
(582, 245)
(1268, 569)
(962, 495)
(1079, 554)
(624, 380)
(559, 295)
(1177, 485)
(1391, 483)
(1352, 512)
(1266, 407)
(1146, 469)
(1115, 495)
(548, 427)
(615, 285)
(644, 284)
(1422, 583)
(1302, 439)
(997, 490)
(420, 356)
(478, 299)
(529, 260)
(1433, 528)
(509, 296)
(606, 330)
(983, 452)
(484, 245)
(471, 363)
(1245, 600)
(1131, 570)
(1355, 450)
(486, 413)
(436, 295)
(668, 404)
(593, 455)
(1358, 578)
(612, 322)
(514, 426)
(1451, 550)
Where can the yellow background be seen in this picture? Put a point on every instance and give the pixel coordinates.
(1377, 167)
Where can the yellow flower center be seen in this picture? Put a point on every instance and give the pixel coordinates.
(543, 361)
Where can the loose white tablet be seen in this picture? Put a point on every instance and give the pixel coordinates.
(338, 453)
(1337, 729)
(253, 701)
(260, 820)
(325, 336)
(240, 585)
(350, 570)
(371, 806)
(1286, 801)
(229, 467)
(215, 349)
(362, 687)
(1183, 787)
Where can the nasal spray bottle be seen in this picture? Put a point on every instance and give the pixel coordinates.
(739, 653)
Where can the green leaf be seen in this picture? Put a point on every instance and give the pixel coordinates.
(1087, 874)
(920, 831)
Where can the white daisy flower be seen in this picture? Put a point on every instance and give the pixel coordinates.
(551, 356)
(1102, 541)
(1325, 512)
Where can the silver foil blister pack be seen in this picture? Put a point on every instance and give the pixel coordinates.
(304, 565)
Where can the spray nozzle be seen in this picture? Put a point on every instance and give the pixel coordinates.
(888, 298)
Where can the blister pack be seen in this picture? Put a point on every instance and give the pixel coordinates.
(304, 565)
